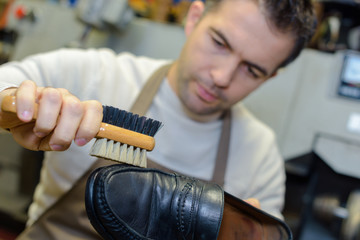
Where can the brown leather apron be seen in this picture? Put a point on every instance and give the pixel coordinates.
(67, 218)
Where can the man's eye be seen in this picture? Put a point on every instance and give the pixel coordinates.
(218, 43)
(252, 72)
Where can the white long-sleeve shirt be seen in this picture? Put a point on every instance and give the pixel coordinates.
(255, 168)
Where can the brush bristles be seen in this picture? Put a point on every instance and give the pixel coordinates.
(130, 121)
(122, 152)
(119, 152)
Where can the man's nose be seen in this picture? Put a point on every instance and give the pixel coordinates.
(223, 73)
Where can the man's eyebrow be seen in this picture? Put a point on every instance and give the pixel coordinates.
(222, 36)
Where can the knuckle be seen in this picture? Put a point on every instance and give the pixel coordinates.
(94, 103)
(64, 91)
(74, 105)
(52, 95)
(96, 106)
(25, 86)
(27, 83)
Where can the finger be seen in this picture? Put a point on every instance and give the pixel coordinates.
(72, 111)
(50, 101)
(254, 202)
(90, 124)
(45, 143)
(25, 137)
(25, 100)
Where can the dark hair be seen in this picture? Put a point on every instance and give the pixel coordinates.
(296, 17)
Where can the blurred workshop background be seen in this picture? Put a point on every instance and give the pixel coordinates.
(315, 113)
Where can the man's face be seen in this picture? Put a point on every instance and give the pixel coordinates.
(228, 54)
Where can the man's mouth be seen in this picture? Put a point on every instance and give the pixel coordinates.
(205, 94)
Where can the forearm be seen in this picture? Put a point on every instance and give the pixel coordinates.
(43, 69)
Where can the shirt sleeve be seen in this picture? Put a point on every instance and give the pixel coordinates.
(72, 69)
(10, 75)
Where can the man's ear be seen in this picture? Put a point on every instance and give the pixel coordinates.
(194, 14)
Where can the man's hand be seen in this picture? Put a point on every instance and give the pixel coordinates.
(254, 202)
(61, 118)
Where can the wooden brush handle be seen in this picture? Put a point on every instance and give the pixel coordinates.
(9, 119)
(123, 135)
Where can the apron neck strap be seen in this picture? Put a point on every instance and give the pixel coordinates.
(149, 90)
(223, 150)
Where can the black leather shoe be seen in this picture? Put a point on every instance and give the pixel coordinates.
(126, 202)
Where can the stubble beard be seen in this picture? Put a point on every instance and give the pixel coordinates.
(193, 104)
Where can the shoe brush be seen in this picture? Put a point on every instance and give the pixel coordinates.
(123, 136)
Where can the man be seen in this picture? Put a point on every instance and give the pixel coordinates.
(232, 48)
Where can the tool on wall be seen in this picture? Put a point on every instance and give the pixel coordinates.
(328, 208)
(5, 13)
(7, 41)
(105, 14)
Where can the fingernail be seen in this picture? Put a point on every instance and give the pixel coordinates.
(26, 115)
(40, 134)
(80, 141)
(56, 147)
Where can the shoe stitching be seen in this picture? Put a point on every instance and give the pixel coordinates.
(181, 205)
